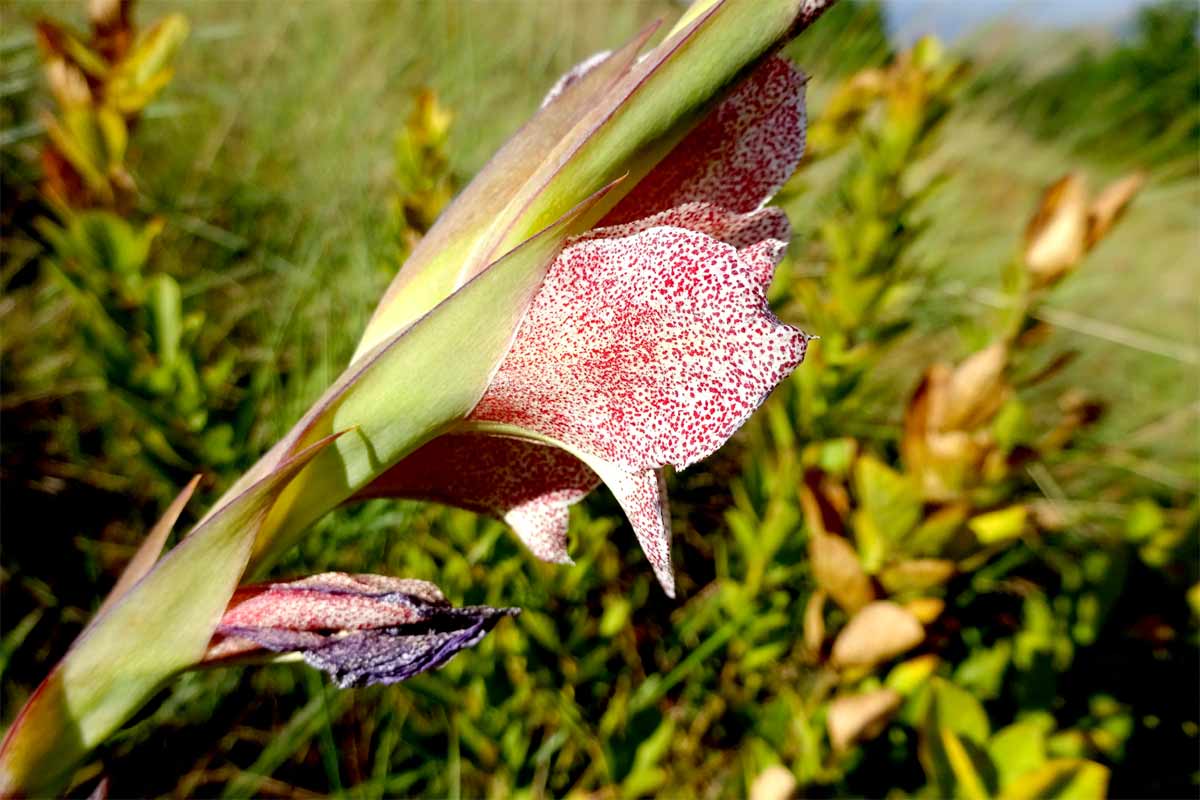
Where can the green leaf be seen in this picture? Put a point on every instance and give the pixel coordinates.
(891, 500)
(1144, 520)
(167, 305)
(1061, 779)
(1018, 749)
(936, 531)
(982, 672)
(158, 628)
(646, 776)
(150, 549)
(957, 709)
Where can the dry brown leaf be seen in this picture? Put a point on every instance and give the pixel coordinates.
(976, 391)
(776, 782)
(854, 718)
(1056, 237)
(1110, 204)
(880, 631)
(814, 622)
(836, 567)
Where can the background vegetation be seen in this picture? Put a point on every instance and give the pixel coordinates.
(956, 554)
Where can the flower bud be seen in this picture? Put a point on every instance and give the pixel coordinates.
(361, 629)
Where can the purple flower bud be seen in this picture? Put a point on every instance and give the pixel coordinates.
(361, 629)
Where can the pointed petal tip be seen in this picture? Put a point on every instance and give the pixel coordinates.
(667, 581)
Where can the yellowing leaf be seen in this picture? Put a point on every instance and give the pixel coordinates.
(908, 676)
(999, 526)
(916, 574)
(1061, 779)
(925, 609)
(146, 69)
(969, 782)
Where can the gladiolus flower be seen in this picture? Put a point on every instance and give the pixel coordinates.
(361, 629)
(591, 308)
(650, 342)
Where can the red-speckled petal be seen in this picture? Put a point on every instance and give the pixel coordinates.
(642, 351)
(528, 485)
(643, 497)
(735, 229)
(737, 157)
(319, 605)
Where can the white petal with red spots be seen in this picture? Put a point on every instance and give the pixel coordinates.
(641, 351)
(528, 485)
(737, 157)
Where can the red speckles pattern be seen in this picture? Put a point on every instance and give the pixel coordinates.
(737, 157)
(643, 497)
(526, 484)
(645, 350)
(641, 351)
(330, 601)
(738, 230)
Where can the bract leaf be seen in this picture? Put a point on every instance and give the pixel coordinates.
(150, 549)
(410, 387)
(158, 627)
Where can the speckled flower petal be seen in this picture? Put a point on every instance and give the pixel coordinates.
(528, 485)
(641, 351)
(739, 230)
(737, 157)
(362, 629)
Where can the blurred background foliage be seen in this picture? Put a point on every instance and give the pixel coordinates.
(954, 555)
